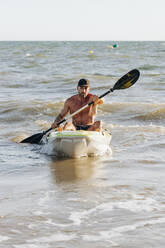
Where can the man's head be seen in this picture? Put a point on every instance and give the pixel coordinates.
(83, 82)
(83, 87)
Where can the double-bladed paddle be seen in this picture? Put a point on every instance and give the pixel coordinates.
(123, 83)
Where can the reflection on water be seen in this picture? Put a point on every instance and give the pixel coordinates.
(71, 170)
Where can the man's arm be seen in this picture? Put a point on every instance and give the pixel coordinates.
(61, 115)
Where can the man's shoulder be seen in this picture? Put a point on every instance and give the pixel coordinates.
(72, 98)
(91, 96)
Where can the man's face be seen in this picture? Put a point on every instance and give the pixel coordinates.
(83, 91)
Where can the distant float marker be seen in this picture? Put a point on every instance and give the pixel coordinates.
(91, 52)
(113, 46)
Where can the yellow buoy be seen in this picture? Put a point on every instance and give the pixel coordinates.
(91, 52)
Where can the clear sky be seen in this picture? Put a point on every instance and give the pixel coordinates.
(82, 20)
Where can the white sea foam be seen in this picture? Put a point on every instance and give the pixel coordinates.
(95, 238)
(43, 201)
(31, 246)
(147, 205)
(77, 216)
(28, 55)
(32, 226)
(122, 229)
(40, 213)
(118, 231)
(134, 205)
(16, 231)
(50, 222)
(3, 238)
(56, 237)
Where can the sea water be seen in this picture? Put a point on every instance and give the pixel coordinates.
(109, 201)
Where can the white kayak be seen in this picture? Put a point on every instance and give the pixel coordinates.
(76, 144)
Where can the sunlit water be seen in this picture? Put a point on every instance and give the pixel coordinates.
(109, 201)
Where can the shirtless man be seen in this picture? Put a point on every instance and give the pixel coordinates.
(85, 120)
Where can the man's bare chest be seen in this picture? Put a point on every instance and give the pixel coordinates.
(77, 104)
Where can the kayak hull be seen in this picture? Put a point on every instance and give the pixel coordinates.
(77, 144)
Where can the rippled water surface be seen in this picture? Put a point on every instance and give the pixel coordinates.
(110, 201)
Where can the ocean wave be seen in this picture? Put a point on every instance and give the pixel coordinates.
(140, 110)
(126, 110)
(148, 67)
(18, 112)
(31, 64)
(158, 114)
(138, 128)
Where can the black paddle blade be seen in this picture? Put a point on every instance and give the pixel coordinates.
(127, 80)
(34, 139)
